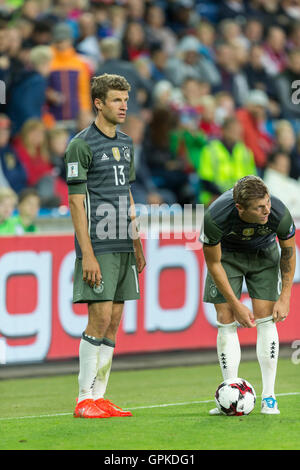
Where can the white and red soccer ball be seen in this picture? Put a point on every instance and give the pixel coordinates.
(235, 397)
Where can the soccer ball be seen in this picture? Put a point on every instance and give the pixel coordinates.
(235, 397)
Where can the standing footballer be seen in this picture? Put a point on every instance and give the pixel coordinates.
(109, 254)
(240, 230)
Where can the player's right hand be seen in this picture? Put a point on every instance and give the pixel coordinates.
(244, 316)
(91, 273)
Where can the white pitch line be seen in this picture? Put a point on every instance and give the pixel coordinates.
(163, 405)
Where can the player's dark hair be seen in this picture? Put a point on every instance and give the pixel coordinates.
(103, 83)
(249, 188)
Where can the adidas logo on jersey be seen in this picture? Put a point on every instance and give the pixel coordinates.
(104, 157)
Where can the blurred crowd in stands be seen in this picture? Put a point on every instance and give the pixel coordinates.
(215, 92)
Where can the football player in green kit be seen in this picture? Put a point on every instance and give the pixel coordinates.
(239, 242)
(109, 254)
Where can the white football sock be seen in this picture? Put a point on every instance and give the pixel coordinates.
(88, 365)
(267, 348)
(106, 352)
(228, 349)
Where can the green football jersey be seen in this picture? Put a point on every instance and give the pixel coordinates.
(102, 168)
(222, 224)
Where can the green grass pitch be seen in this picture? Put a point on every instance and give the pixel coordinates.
(170, 407)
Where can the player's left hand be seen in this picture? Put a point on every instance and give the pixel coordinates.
(140, 262)
(280, 310)
(139, 255)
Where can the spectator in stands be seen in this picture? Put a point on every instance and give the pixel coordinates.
(208, 122)
(61, 10)
(190, 63)
(136, 10)
(186, 142)
(31, 8)
(166, 169)
(26, 28)
(222, 162)
(182, 16)
(41, 34)
(69, 81)
(117, 18)
(12, 172)
(134, 43)
(163, 94)
(8, 201)
(158, 61)
(257, 76)
(285, 141)
(233, 9)
(274, 58)
(291, 8)
(143, 66)
(14, 41)
(287, 86)
(259, 79)
(231, 31)
(143, 189)
(206, 34)
(10, 67)
(28, 93)
(113, 64)
(269, 12)
(190, 109)
(87, 42)
(294, 35)
(253, 118)
(58, 139)
(28, 209)
(241, 53)
(100, 11)
(232, 77)
(225, 107)
(157, 32)
(32, 149)
(279, 182)
(253, 31)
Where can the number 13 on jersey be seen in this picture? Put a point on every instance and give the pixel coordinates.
(119, 174)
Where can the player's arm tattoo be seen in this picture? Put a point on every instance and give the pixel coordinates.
(286, 265)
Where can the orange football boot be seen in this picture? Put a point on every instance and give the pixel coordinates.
(88, 409)
(109, 407)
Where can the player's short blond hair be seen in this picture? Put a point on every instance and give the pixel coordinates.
(249, 188)
(103, 83)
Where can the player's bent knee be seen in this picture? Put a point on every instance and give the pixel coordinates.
(224, 314)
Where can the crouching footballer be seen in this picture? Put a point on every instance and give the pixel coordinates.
(239, 242)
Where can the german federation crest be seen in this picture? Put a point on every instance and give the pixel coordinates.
(99, 289)
(264, 231)
(126, 152)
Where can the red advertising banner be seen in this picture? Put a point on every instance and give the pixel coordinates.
(38, 320)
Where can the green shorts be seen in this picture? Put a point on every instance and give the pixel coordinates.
(120, 280)
(260, 270)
